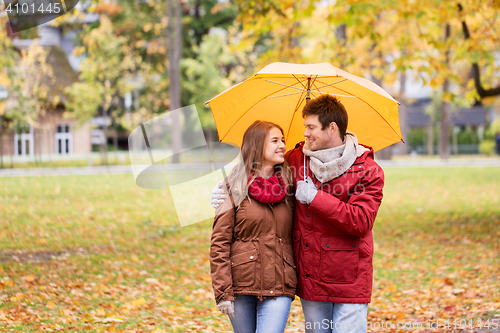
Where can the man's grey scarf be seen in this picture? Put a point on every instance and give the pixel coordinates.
(327, 164)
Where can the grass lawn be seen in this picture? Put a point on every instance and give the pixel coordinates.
(97, 253)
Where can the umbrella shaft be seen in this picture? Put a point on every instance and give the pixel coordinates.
(308, 97)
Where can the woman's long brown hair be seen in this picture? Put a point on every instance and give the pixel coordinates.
(252, 153)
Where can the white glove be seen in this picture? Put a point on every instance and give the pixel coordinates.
(306, 191)
(226, 307)
(218, 195)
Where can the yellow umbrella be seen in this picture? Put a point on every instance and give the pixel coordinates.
(279, 91)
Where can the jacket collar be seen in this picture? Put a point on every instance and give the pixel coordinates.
(359, 159)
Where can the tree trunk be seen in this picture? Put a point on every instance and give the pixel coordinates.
(137, 103)
(103, 147)
(13, 145)
(341, 34)
(174, 35)
(1, 141)
(115, 144)
(386, 153)
(209, 138)
(35, 143)
(38, 143)
(455, 141)
(40, 135)
(430, 138)
(37, 146)
(403, 113)
(211, 153)
(51, 137)
(46, 134)
(444, 132)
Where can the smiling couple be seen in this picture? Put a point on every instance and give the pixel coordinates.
(303, 227)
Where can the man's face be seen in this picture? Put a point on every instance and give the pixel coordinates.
(317, 137)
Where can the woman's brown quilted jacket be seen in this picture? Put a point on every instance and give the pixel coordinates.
(251, 250)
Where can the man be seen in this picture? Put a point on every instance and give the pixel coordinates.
(497, 142)
(338, 194)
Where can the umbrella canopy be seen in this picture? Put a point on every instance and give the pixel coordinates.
(279, 91)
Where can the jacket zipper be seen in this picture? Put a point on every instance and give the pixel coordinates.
(261, 268)
(281, 244)
(283, 273)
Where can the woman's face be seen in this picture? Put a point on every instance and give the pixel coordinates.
(274, 148)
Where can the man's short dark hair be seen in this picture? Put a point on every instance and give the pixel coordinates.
(328, 109)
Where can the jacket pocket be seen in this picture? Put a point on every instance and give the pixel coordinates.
(290, 270)
(356, 168)
(339, 259)
(243, 268)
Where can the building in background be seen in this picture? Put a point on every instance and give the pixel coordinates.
(422, 130)
(468, 126)
(53, 135)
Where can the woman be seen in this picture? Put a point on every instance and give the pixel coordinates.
(251, 257)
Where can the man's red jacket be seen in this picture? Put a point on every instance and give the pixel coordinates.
(332, 237)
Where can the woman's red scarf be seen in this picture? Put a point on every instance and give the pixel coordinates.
(269, 190)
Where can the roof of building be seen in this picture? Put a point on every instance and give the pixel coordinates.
(63, 74)
(417, 117)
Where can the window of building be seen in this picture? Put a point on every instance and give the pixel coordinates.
(23, 142)
(64, 140)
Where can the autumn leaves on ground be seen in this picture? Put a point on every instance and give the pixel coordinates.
(97, 253)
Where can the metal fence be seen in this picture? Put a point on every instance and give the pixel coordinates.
(462, 150)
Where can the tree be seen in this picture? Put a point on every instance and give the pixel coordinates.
(47, 72)
(386, 38)
(475, 49)
(274, 28)
(10, 79)
(140, 24)
(174, 36)
(104, 77)
(199, 17)
(21, 75)
(208, 74)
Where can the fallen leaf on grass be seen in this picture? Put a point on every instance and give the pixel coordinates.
(450, 308)
(110, 320)
(30, 278)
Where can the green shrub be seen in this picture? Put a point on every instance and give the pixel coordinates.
(416, 137)
(467, 137)
(487, 147)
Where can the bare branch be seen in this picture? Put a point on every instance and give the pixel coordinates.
(475, 67)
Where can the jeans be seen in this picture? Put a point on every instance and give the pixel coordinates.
(254, 316)
(327, 317)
